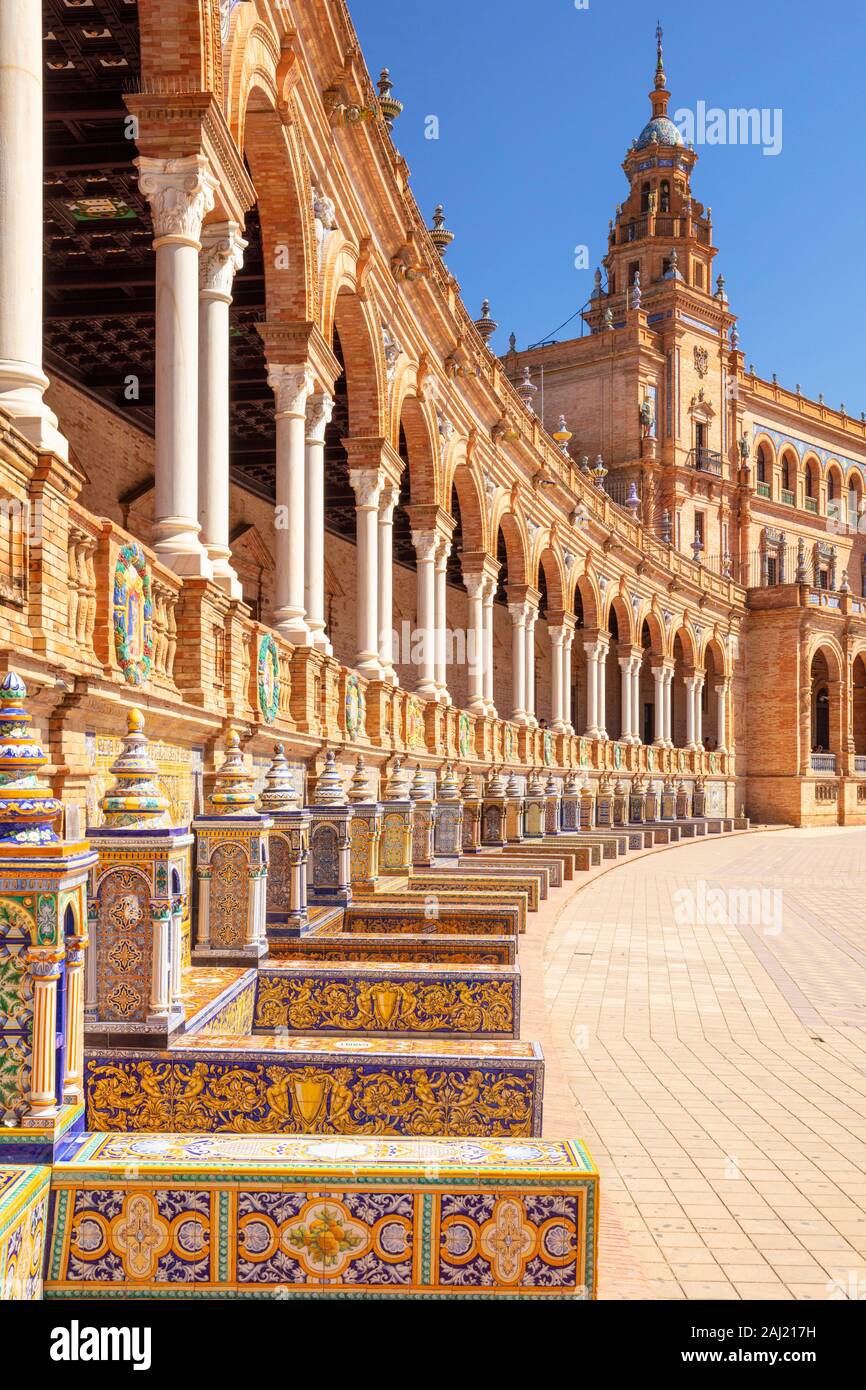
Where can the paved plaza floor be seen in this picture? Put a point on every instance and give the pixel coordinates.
(703, 1012)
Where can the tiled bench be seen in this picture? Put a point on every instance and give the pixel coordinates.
(492, 918)
(423, 1000)
(23, 1212)
(445, 949)
(456, 881)
(318, 1085)
(265, 1216)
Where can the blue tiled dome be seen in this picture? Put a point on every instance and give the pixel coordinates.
(659, 131)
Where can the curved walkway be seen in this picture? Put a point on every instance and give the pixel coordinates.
(710, 1047)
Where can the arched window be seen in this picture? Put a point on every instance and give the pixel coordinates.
(831, 486)
(665, 196)
(786, 474)
(761, 465)
(810, 481)
(644, 197)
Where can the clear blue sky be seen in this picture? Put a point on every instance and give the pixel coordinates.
(537, 105)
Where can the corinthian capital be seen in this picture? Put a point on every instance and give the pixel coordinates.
(291, 386)
(222, 254)
(180, 193)
(320, 409)
(425, 544)
(366, 484)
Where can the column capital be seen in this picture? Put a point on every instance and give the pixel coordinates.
(222, 255)
(474, 583)
(291, 385)
(557, 633)
(479, 562)
(425, 543)
(366, 483)
(518, 611)
(181, 192)
(320, 411)
(388, 501)
(374, 451)
(596, 647)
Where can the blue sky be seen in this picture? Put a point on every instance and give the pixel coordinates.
(537, 105)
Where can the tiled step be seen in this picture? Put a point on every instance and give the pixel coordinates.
(549, 872)
(491, 918)
(457, 881)
(317, 1085)
(260, 1216)
(215, 999)
(375, 998)
(443, 949)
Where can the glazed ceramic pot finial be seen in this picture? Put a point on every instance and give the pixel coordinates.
(448, 788)
(329, 786)
(27, 809)
(359, 787)
(279, 792)
(233, 791)
(135, 801)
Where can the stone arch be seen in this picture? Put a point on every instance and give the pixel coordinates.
(858, 700)
(764, 448)
(551, 566)
(413, 420)
(516, 547)
(363, 361)
(715, 664)
(281, 176)
(789, 468)
(470, 497)
(834, 474)
(825, 666)
(652, 634)
(619, 605)
(586, 591)
(811, 475)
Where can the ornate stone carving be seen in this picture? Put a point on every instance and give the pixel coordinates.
(222, 255)
(180, 193)
(291, 386)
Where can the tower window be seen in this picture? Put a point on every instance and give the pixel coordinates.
(698, 275)
(645, 197)
(665, 196)
(633, 269)
(761, 466)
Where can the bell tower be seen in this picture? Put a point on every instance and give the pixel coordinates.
(660, 234)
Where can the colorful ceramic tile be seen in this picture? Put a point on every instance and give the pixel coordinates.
(444, 950)
(428, 1000)
(23, 1210)
(162, 1215)
(328, 1085)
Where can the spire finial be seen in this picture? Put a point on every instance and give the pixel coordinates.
(661, 80)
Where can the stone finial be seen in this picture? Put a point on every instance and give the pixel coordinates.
(597, 290)
(27, 810)
(448, 788)
(527, 390)
(469, 787)
(512, 342)
(486, 325)
(136, 801)
(735, 337)
(389, 106)
(397, 788)
(619, 787)
(233, 791)
(551, 789)
(844, 587)
(608, 319)
(419, 790)
(359, 787)
(512, 786)
(495, 785)
(329, 787)
(534, 786)
(571, 787)
(279, 792)
(636, 291)
(439, 233)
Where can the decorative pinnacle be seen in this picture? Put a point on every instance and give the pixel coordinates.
(279, 792)
(512, 786)
(495, 784)
(233, 792)
(329, 788)
(660, 79)
(136, 801)
(439, 233)
(359, 789)
(486, 325)
(27, 810)
(389, 106)
(562, 434)
(418, 790)
(534, 786)
(398, 783)
(448, 788)
(526, 390)
(469, 787)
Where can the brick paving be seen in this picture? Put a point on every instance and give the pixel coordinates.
(717, 1069)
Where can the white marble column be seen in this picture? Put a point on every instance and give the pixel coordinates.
(319, 410)
(489, 595)
(291, 386)
(567, 644)
(180, 193)
(626, 718)
(160, 999)
(43, 968)
(637, 735)
(721, 717)
(699, 711)
(669, 706)
(222, 254)
(387, 502)
(690, 684)
(425, 561)
(529, 664)
(557, 633)
(660, 678)
(367, 486)
(602, 690)
(443, 550)
(22, 380)
(474, 583)
(518, 662)
(592, 655)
